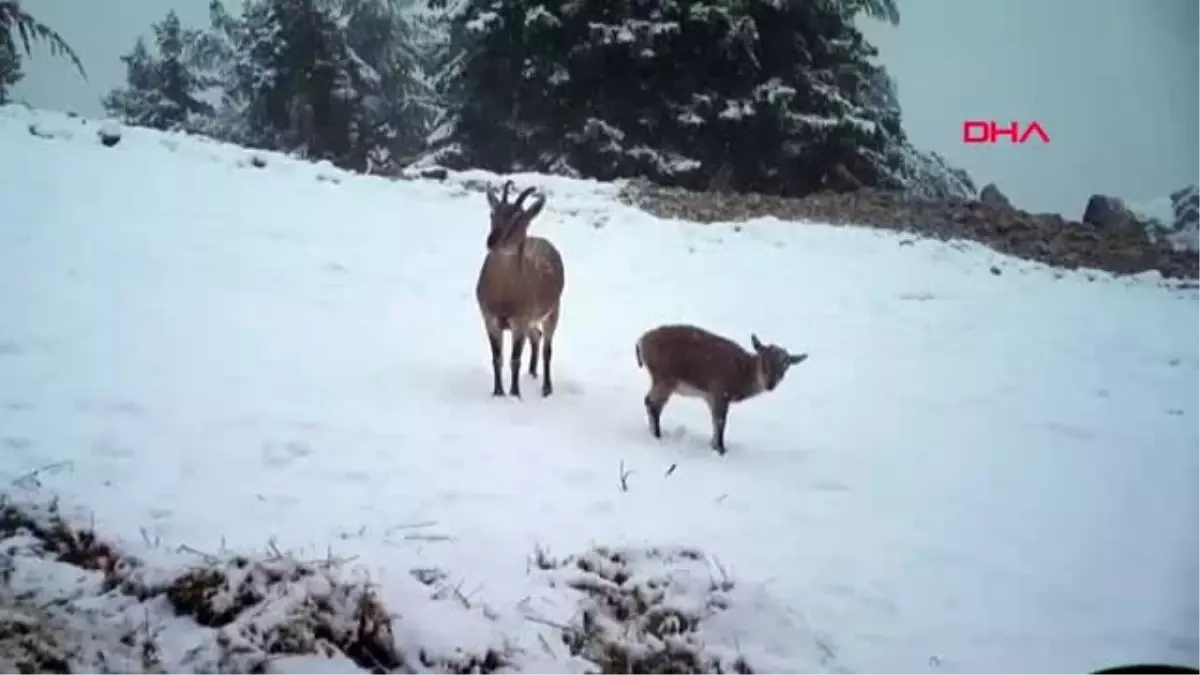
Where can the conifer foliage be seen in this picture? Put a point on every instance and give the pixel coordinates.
(17, 24)
(769, 96)
(772, 96)
(325, 79)
(161, 89)
(10, 67)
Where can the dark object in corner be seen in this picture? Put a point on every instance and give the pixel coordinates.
(1145, 668)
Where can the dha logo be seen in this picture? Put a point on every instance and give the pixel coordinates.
(990, 131)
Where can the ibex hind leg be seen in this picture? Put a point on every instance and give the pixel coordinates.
(656, 399)
(535, 341)
(549, 325)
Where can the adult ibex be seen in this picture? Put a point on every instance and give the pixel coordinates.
(691, 361)
(519, 288)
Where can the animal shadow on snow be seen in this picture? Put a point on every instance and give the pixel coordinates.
(460, 383)
(617, 414)
(689, 434)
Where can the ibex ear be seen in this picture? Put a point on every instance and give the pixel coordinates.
(758, 346)
(493, 200)
(535, 208)
(793, 359)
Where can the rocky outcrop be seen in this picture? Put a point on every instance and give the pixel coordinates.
(1109, 213)
(1047, 238)
(991, 195)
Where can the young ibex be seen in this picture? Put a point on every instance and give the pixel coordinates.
(519, 289)
(691, 361)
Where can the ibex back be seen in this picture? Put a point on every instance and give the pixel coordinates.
(519, 289)
(691, 361)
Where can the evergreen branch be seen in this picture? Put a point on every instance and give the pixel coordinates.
(31, 30)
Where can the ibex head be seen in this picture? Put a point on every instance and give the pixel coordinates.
(774, 361)
(509, 220)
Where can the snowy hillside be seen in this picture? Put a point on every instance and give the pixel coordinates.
(974, 471)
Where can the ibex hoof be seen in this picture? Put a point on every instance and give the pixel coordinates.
(719, 448)
(546, 391)
(515, 393)
(497, 392)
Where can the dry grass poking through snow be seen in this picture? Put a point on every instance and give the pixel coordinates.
(234, 614)
(71, 601)
(644, 609)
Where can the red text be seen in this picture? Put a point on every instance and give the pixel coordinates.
(990, 131)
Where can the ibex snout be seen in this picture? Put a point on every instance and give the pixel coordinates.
(493, 239)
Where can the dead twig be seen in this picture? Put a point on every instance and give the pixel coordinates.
(546, 622)
(670, 470)
(207, 557)
(625, 474)
(28, 480)
(152, 543)
(546, 646)
(428, 537)
(410, 526)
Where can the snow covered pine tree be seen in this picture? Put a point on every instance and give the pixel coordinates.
(160, 92)
(10, 66)
(773, 96)
(325, 79)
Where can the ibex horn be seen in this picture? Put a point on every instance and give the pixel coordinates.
(524, 195)
(504, 195)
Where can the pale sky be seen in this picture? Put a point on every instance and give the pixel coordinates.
(1115, 83)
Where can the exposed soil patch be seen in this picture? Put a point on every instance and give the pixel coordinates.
(1045, 238)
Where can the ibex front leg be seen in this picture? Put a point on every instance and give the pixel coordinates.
(495, 341)
(518, 345)
(719, 406)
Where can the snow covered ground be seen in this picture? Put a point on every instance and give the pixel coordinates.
(972, 472)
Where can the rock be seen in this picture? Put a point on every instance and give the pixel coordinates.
(109, 133)
(1048, 238)
(434, 173)
(992, 196)
(1110, 213)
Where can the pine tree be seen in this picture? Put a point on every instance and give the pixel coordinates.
(141, 102)
(179, 84)
(771, 96)
(398, 103)
(10, 66)
(161, 90)
(14, 19)
(326, 79)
